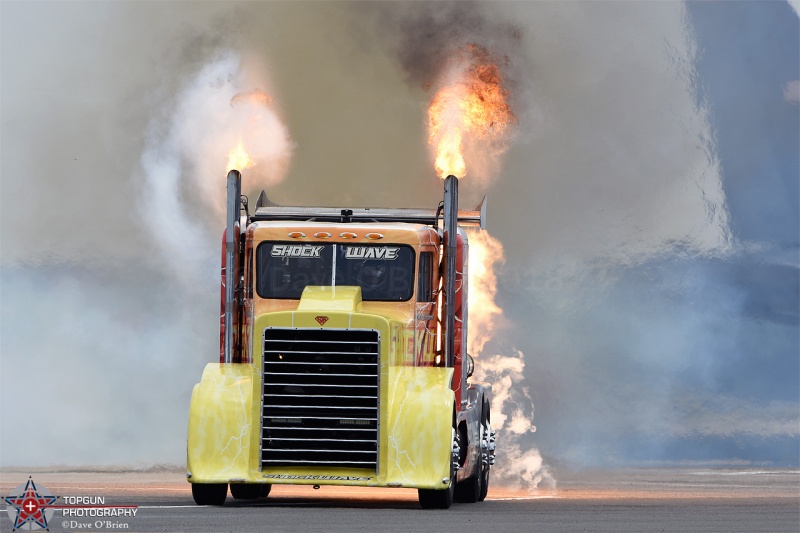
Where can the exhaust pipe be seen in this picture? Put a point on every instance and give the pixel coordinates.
(450, 237)
(231, 253)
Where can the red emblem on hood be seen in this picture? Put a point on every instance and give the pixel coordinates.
(321, 320)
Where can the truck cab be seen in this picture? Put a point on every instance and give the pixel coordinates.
(343, 361)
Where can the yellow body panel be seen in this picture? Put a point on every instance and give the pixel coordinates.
(418, 433)
(321, 299)
(416, 413)
(221, 423)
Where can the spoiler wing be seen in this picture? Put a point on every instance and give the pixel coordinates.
(268, 210)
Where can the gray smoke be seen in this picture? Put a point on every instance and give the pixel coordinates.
(610, 208)
(428, 35)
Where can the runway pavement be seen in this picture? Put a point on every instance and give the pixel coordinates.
(614, 501)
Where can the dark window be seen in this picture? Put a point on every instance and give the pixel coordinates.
(384, 272)
(425, 287)
(285, 269)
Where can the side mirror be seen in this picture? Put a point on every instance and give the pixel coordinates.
(470, 365)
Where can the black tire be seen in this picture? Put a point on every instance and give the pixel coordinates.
(437, 499)
(469, 490)
(246, 491)
(472, 490)
(265, 488)
(485, 420)
(484, 484)
(209, 493)
(440, 498)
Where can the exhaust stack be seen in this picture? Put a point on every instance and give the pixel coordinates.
(450, 236)
(231, 263)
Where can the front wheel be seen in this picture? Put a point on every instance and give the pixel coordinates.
(470, 490)
(442, 498)
(437, 499)
(209, 493)
(249, 491)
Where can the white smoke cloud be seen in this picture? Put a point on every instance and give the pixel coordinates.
(523, 468)
(182, 200)
(795, 6)
(791, 92)
(622, 167)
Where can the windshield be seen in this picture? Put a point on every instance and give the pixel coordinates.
(384, 273)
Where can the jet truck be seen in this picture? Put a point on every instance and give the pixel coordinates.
(343, 355)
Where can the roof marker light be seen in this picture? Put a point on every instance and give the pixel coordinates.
(373, 236)
(297, 234)
(322, 235)
(348, 235)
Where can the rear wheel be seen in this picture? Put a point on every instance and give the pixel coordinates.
(484, 485)
(209, 493)
(474, 489)
(468, 490)
(486, 431)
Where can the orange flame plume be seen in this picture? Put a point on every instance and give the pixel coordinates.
(256, 96)
(485, 256)
(473, 108)
(238, 158)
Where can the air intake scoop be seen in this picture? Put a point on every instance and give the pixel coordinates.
(345, 299)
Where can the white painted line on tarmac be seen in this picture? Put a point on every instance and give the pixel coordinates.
(515, 498)
(169, 506)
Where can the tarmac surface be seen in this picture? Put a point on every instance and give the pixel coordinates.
(615, 501)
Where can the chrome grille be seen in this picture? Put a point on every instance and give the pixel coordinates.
(320, 398)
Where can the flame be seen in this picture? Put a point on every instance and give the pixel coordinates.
(448, 155)
(238, 158)
(473, 108)
(256, 96)
(485, 255)
(469, 119)
(512, 406)
(485, 317)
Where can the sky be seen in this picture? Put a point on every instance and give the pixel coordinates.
(647, 206)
